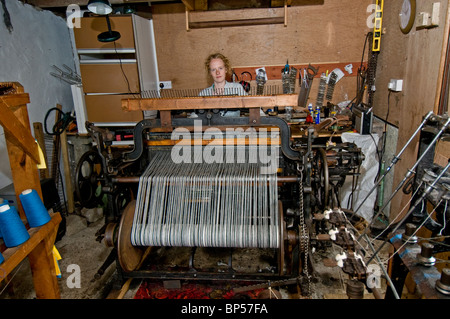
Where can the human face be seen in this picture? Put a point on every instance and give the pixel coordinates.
(218, 71)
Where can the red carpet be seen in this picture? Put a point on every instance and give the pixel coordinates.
(193, 290)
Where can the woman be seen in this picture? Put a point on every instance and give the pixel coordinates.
(218, 67)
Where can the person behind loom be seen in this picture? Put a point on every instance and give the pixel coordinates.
(218, 68)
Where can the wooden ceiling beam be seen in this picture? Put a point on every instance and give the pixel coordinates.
(65, 3)
(189, 4)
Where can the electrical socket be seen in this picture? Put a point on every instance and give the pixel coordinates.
(395, 85)
(165, 84)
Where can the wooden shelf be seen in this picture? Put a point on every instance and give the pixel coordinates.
(39, 246)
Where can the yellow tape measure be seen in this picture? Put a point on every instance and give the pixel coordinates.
(378, 24)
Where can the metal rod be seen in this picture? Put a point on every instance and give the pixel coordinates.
(394, 160)
(391, 284)
(424, 194)
(411, 171)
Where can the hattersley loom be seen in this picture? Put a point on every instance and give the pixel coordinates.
(205, 179)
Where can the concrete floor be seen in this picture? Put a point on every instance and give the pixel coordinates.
(79, 248)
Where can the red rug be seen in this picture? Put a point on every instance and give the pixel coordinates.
(194, 290)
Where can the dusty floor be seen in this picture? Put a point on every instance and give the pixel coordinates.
(79, 248)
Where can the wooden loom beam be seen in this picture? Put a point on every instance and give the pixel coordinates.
(204, 103)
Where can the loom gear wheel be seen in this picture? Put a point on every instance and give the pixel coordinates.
(321, 179)
(129, 256)
(89, 179)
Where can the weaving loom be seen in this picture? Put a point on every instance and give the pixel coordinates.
(211, 180)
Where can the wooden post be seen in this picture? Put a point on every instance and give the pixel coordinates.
(67, 175)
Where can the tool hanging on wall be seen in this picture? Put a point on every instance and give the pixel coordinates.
(321, 92)
(260, 81)
(306, 82)
(292, 77)
(331, 84)
(285, 78)
(245, 84)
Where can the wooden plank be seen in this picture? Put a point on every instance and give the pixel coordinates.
(15, 100)
(17, 132)
(442, 68)
(189, 4)
(236, 23)
(223, 102)
(201, 5)
(23, 168)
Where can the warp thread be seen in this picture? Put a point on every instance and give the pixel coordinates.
(37, 214)
(12, 227)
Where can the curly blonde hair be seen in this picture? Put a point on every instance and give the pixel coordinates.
(225, 60)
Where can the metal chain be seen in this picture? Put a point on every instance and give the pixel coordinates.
(304, 238)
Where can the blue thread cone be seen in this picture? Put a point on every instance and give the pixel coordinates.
(37, 214)
(13, 230)
(1, 258)
(2, 202)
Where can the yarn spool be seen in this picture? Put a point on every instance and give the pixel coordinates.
(2, 202)
(37, 214)
(1, 258)
(13, 230)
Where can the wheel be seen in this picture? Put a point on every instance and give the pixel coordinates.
(89, 179)
(320, 180)
(129, 256)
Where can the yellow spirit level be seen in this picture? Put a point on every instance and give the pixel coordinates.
(378, 24)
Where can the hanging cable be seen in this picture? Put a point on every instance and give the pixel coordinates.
(61, 125)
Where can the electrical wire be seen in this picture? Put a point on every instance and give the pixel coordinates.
(61, 125)
(123, 71)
